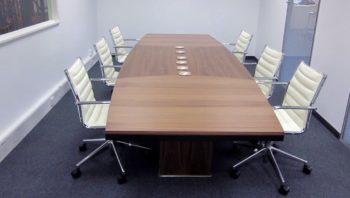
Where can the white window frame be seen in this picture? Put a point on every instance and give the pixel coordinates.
(17, 34)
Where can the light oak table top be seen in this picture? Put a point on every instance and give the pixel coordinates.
(220, 98)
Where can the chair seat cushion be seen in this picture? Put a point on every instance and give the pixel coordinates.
(114, 78)
(288, 124)
(98, 117)
(121, 58)
(265, 89)
(239, 56)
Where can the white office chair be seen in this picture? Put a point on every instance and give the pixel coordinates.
(108, 69)
(119, 44)
(241, 46)
(294, 116)
(267, 69)
(92, 114)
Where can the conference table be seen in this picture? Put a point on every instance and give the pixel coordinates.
(219, 100)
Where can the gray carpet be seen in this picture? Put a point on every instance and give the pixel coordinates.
(40, 165)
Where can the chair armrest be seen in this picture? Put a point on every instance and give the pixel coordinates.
(236, 52)
(229, 44)
(118, 54)
(295, 107)
(123, 47)
(132, 39)
(101, 79)
(111, 66)
(92, 102)
(250, 63)
(263, 79)
(272, 82)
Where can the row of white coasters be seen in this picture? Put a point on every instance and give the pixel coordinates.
(182, 67)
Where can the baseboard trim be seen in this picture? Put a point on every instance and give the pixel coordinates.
(334, 131)
(90, 61)
(29, 119)
(14, 134)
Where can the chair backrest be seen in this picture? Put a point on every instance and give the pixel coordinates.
(81, 88)
(242, 45)
(268, 67)
(118, 40)
(105, 58)
(303, 90)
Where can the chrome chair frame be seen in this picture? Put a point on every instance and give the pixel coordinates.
(116, 46)
(104, 78)
(268, 148)
(264, 80)
(76, 173)
(261, 80)
(245, 52)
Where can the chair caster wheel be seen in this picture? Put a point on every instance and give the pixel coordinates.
(82, 147)
(122, 179)
(284, 189)
(307, 169)
(75, 173)
(235, 173)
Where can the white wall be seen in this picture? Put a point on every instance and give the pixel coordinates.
(331, 50)
(271, 24)
(223, 19)
(32, 69)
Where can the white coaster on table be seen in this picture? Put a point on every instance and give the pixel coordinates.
(184, 73)
(181, 62)
(179, 47)
(181, 57)
(180, 51)
(182, 67)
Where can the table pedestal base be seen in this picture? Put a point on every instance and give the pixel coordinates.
(185, 159)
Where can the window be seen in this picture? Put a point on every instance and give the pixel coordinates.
(21, 17)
